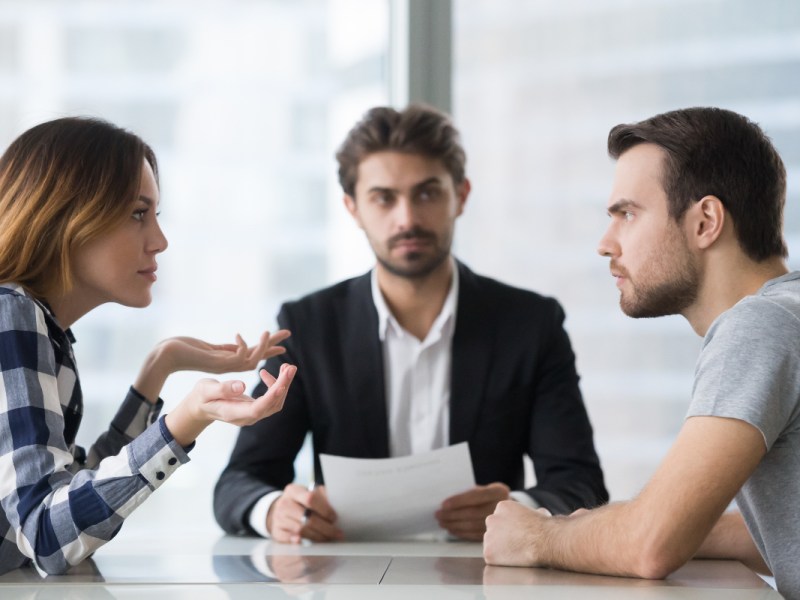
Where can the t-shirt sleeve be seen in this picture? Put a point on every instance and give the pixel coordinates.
(749, 368)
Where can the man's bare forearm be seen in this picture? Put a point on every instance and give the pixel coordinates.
(623, 539)
(730, 539)
(659, 530)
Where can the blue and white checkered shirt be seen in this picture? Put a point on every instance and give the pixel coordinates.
(59, 504)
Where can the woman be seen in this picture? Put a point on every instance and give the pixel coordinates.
(79, 228)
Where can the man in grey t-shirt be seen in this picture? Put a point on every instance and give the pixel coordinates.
(696, 218)
(749, 369)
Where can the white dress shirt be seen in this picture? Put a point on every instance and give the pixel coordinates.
(417, 376)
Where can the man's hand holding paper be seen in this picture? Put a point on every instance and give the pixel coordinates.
(400, 497)
(302, 513)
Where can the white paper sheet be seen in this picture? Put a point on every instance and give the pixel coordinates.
(394, 497)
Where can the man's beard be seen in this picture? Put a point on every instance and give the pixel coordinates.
(415, 265)
(670, 287)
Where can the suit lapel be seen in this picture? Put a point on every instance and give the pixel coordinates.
(473, 347)
(365, 373)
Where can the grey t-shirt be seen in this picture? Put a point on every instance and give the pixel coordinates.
(749, 369)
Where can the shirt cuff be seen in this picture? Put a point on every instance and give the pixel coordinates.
(155, 455)
(524, 499)
(258, 514)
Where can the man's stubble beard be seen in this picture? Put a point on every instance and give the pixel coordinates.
(423, 267)
(677, 289)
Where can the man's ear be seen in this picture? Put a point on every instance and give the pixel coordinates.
(350, 205)
(462, 193)
(705, 221)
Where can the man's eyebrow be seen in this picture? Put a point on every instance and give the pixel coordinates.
(416, 186)
(621, 206)
(426, 182)
(379, 189)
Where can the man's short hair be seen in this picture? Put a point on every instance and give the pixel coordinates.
(712, 151)
(418, 129)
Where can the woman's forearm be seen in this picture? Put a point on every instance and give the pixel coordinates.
(152, 375)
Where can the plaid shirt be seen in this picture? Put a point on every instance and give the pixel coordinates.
(59, 504)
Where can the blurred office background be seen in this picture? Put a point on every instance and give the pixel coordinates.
(245, 102)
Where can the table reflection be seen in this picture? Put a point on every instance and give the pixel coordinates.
(277, 568)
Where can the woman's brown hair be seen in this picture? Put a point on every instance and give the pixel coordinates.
(63, 183)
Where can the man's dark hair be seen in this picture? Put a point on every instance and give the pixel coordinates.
(418, 129)
(712, 151)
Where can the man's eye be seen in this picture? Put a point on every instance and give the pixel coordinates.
(429, 194)
(628, 215)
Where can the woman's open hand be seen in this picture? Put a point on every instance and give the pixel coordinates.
(190, 354)
(211, 400)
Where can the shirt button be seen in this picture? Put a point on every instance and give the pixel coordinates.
(160, 475)
(172, 460)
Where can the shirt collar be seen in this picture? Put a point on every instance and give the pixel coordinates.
(386, 318)
(48, 312)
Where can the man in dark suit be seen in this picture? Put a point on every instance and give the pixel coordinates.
(417, 354)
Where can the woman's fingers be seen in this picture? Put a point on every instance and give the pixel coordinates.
(273, 400)
(267, 377)
(279, 336)
(211, 389)
(243, 410)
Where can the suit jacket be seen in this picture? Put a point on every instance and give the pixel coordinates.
(514, 390)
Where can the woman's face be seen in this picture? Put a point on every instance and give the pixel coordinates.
(120, 266)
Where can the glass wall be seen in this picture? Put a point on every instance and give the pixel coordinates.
(537, 86)
(244, 102)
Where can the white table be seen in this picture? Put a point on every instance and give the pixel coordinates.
(244, 568)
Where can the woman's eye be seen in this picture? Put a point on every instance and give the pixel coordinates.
(139, 214)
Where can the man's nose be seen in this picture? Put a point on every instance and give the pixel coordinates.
(608, 245)
(406, 213)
